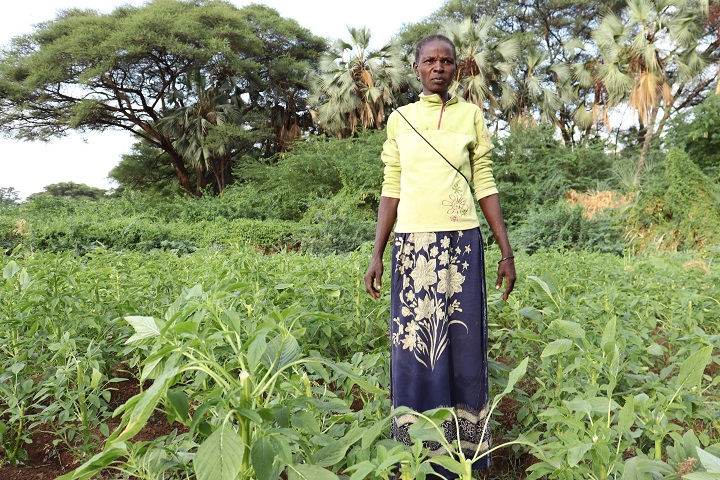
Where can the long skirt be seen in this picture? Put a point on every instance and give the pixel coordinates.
(439, 337)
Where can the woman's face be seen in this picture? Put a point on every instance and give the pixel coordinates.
(436, 67)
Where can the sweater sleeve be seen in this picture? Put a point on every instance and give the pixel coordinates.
(480, 159)
(391, 158)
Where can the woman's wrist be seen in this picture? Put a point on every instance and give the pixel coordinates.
(506, 257)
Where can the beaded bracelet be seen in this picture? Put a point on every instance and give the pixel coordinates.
(505, 258)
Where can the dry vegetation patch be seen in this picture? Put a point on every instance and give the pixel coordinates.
(593, 203)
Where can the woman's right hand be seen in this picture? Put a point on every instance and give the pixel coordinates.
(373, 278)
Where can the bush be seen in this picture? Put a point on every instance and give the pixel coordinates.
(678, 210)
(563, 227)
(339, 224)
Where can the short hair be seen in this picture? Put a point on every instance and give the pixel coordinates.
(425, 40)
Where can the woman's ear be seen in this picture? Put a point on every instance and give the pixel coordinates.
(415, 69)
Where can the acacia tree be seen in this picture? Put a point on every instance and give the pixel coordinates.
(127, 69)
(355, 85)
(654, 57)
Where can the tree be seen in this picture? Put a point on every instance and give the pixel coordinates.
(698, 133)
(654, 57)
(71, 190)
(355, 85)
(146, 168)
(130, 68)
(551, 76)
(484, 67)
(8, 196)
(211, 132)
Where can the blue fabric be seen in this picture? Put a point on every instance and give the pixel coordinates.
(438, 332)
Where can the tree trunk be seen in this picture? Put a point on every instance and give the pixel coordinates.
(182, 173)
(649, 133)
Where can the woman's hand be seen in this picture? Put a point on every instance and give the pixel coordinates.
(506, 270)
(373, 278)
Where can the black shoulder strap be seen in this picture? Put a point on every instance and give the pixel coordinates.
(436, 150)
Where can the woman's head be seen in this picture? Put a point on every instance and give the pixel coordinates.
(435, 64)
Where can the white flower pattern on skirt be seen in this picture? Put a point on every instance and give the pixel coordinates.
(426, 297)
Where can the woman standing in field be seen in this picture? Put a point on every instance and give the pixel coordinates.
(438, 308)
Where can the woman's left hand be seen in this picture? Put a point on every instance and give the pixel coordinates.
(506, 270)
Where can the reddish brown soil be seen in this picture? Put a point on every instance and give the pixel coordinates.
(47, 462)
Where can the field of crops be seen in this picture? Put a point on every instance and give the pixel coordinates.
(227, 363)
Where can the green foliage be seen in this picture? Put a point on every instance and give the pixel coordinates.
(89, 71)
(338, 224)
(146, 168)
(137, 222)
(71, 190)
(8, 196)
(563, 227)
(620, 360)
(534, 170)
(319, 168)
(675, 210)
(698, 133)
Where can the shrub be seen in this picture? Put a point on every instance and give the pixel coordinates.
(338, 224)
(679, 209)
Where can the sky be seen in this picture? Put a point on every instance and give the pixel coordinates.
(29, 166)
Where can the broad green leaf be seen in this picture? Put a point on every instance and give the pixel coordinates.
(531, 313)
(17, 367)
(305, 421)
(655, 349)
(570, 329)
(309, 472)
(180, 403)
(220, 455)
(576, 454)
(517, 373)
(145, 405)
(450, 464)
(256, 350)
(262, 456)
(372, 433)
(691, 371)
(609, 333)
(145, 327)
(360, 381)
(701, 476)
(710, 462)
(10, 270)
(558, 346)
(603, 404)
(330, 455)
(281, 351)
(361, 470)
(637, 468)
(545, 288)
(626, 418)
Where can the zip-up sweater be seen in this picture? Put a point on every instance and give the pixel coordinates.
(433, 196)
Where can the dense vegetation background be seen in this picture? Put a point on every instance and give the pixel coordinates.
(222, 276)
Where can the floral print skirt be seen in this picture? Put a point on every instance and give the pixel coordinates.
(439, 336)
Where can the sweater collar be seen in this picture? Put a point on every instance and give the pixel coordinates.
(435, 99)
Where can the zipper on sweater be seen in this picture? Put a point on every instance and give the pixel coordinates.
(441, 114)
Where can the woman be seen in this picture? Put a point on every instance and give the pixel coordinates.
(435, 147)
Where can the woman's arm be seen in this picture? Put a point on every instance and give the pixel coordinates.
(387, 213)
(490, 207)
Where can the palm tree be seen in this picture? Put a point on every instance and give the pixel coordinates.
(484, 66)
(650, 57)
(355, 85)
(208, 133)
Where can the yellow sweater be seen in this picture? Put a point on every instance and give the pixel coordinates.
(433, 196)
